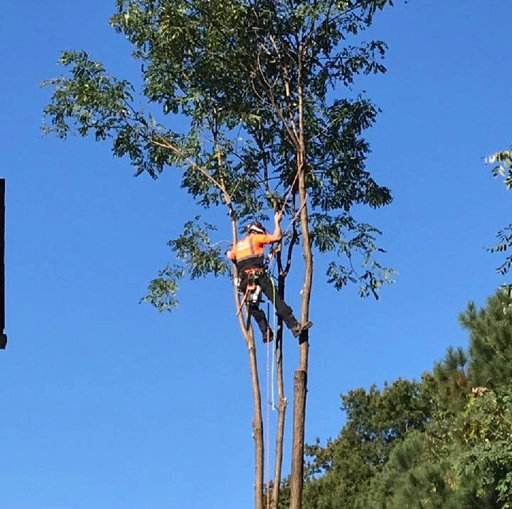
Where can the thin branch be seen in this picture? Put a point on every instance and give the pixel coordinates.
(167, 144)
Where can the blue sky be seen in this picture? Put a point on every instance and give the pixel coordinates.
(108, 405)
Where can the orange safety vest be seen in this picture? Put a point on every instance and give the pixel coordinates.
(251, 246)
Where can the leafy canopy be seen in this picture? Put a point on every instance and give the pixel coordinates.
(232, 91)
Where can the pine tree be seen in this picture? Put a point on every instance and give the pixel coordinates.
(490, 348)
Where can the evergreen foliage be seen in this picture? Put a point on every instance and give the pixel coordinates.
(491, 340)
(443, 442)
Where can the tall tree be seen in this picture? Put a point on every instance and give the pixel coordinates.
(272, 122)
(459, 460)
(377, 420)
(490, 346)
(443, 442)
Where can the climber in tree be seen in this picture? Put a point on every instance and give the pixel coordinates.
(249, 256)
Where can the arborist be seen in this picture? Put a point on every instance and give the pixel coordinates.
(249, 256)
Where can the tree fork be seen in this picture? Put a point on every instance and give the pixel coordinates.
(290, 67)
(281, 411)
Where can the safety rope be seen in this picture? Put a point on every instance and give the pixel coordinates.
(274, 329)
(270, 368)
(270, 382)
(270, 399)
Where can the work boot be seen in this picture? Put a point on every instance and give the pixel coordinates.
(268, 336)
(299, 328)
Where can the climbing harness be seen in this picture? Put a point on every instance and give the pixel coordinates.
(253, 292)
(253, 287)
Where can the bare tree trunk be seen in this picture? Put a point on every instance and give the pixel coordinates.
(299, 418)
(257, 427)
(257, 421)
(300, 381)
(299, 425)
(300, 377)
